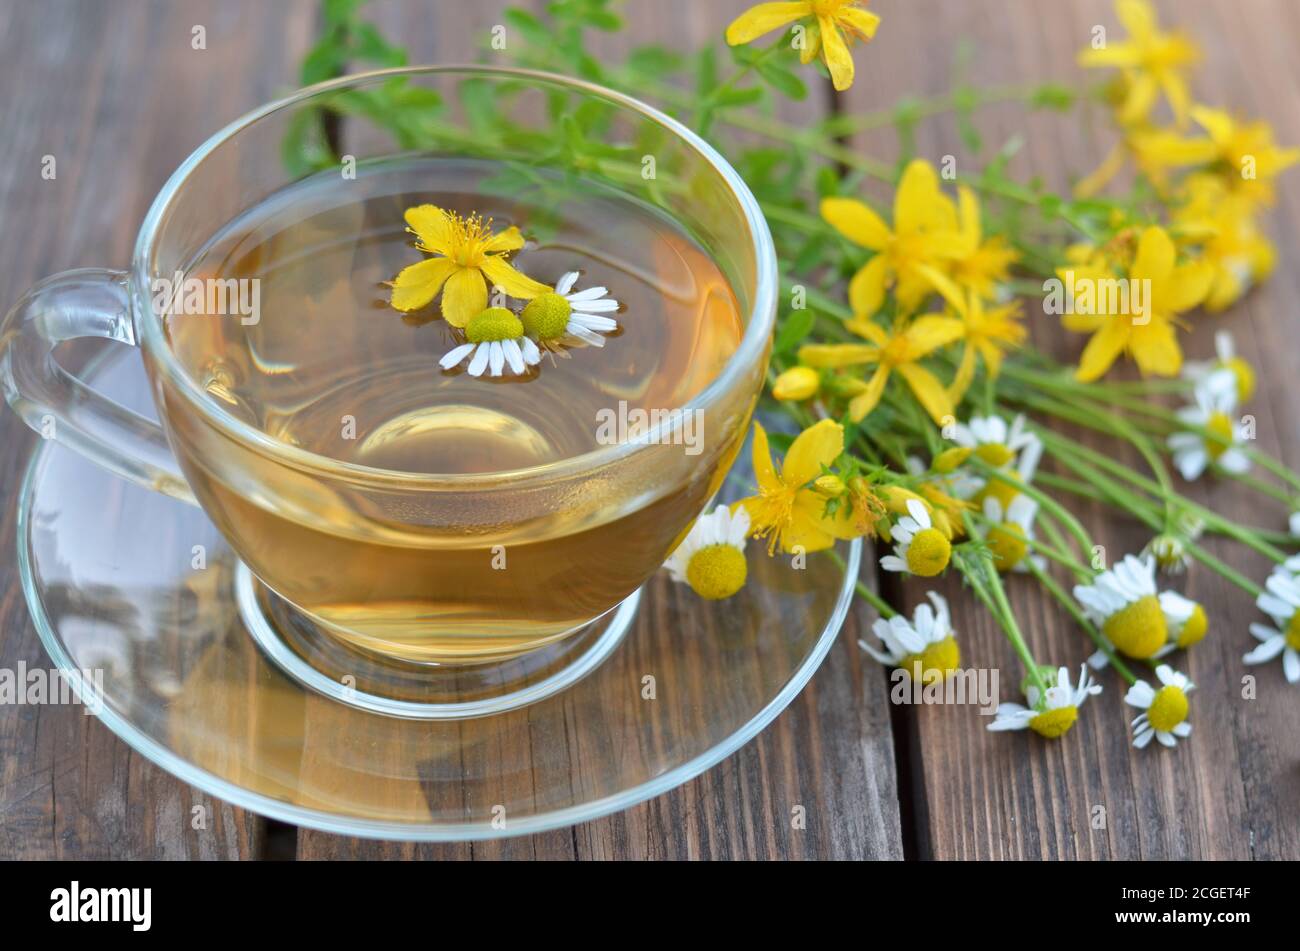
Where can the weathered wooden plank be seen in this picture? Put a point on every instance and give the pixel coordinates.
(118, 96)
(1230, 791)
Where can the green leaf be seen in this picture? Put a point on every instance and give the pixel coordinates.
(783, 79)
(794, 329)
(739, 97)
(1053, 96)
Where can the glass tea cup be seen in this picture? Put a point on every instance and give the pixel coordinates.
(407, 565)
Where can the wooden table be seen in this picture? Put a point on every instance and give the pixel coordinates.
(115, 92)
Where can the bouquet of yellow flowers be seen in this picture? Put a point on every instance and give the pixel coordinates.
(903, 356)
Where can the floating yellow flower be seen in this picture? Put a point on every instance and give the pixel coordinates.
(983, 264)
(901, 350)
(988, 333)
(789, 509)
(468, 259)
(911, 256)
(1138, 316)
(824, 37)
(1153, 62)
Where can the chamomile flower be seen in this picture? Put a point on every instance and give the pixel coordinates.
(1170, 553)
(926, 640)
(1010, 531)
(1221, 443)
(1281, 602)
(1123, 603)
(920, 548)
(564, 317)
(1225, 351)
(495, 342)
(711, 559)
(1186, 623)
(1186, 620)
(1052, 713)
(992, 440)
(1164, 711)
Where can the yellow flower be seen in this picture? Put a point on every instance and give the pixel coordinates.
(824, 37)
(983, 263)
(1249, 157)
(797, 383)
(789, 510)
(910, 255)
(987, 333)
(1221, 225)
(1145, 330)
(1152, 62)
(468, 258)
(901, 350)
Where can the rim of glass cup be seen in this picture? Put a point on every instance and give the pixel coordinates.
(758, 328)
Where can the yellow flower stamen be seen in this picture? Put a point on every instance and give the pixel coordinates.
(937, 662)
(1139, 629)
(928, 553)
(1054, 723)
(717, 571)
(1168, 709)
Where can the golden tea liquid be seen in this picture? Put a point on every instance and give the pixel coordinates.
(327, 365)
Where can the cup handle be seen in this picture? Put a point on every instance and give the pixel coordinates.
(86, 302)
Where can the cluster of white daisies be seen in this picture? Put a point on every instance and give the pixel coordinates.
(498, 339)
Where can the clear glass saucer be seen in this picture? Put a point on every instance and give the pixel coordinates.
(144, 589)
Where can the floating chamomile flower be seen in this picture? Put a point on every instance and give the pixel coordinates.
(1122, 601)
(1010, 532)
(926, 641)
(496, 342)
(1243, 374)
(920, 548)
(1164, 713)
(564, 317)
(1221, 444)
(1051, 714)
(1281, 602)
(711, 559)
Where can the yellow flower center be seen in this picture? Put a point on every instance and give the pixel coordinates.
(1168, 709)
(1004, 492)
(717, 571)
(1293, 632)
(495, 323)
(465, 238)
(1054, 723)
(1245, 375)
(1138, 629)
(1197, 626)
(928, 553)
(1008, 544)
(995, 454)
(937, 661)
(1219, 428)
(546, 316)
